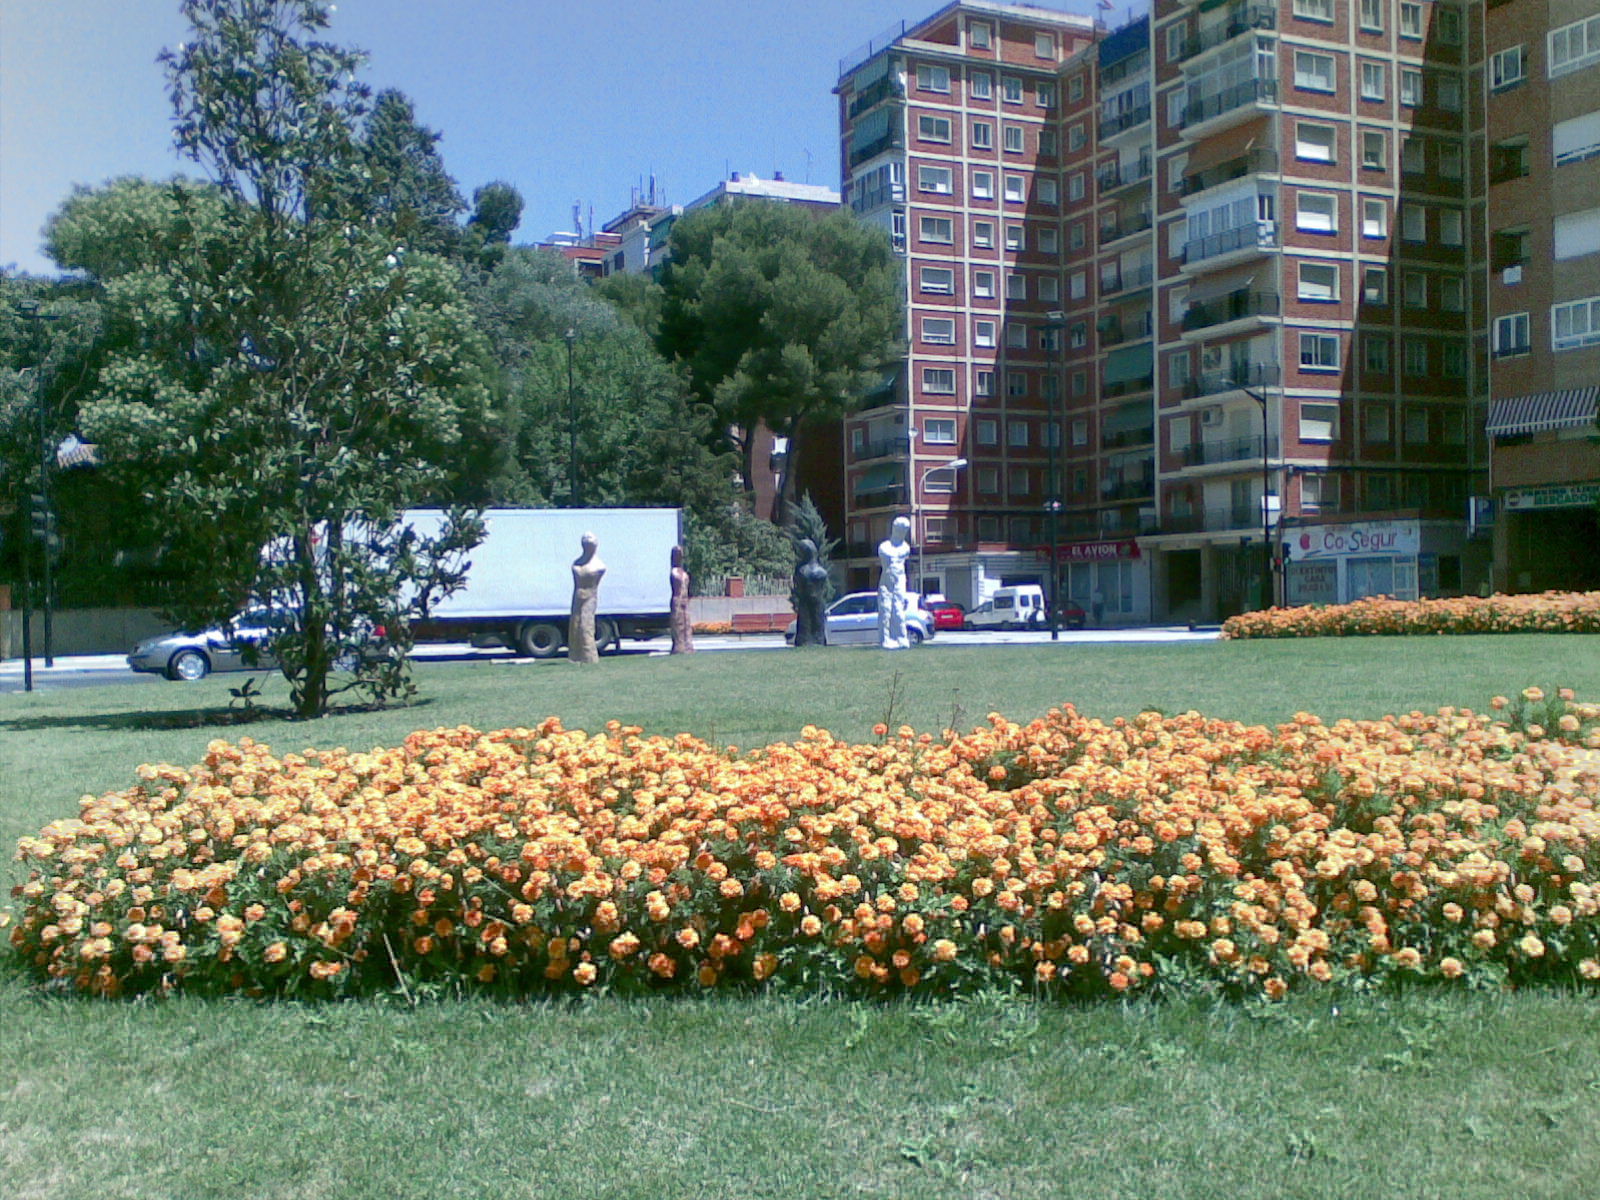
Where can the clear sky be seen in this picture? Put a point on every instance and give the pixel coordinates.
(571, 102)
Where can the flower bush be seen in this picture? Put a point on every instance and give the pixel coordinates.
(1067, 855)
(1543, 612)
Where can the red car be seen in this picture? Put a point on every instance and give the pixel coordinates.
(947, 614)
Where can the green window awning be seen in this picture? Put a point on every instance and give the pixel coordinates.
(1130, 362)
(877, 478)
(871, 128)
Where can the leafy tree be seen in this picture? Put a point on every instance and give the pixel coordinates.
(405, 180)
(496, 213)
(285, 377)
(781, 317)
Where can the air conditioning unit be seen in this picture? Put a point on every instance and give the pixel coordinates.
(1210, 417)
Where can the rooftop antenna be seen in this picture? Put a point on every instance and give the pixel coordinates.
(808, 166)
(577, 219)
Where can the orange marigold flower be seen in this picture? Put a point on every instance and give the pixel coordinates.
(688, 938)
(1589, 968)
(662, 965)
(1451, 968)
(810, 925)
(789, 902)
(1531, 945)
(944, 950)
(1118, 981)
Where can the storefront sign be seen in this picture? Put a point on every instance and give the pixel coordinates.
(1553, 495)
(1099, 551)
(1342, 541)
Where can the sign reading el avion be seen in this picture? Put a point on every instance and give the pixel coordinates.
(1395, 538)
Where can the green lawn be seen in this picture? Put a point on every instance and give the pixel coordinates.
(1442, 1095)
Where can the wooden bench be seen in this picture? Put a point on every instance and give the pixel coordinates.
(761, 622)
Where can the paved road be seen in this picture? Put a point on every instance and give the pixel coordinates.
(91, 670)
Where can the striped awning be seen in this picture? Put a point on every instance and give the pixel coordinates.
(1570, 409)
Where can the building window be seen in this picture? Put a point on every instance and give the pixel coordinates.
(1376, 423)
(1075, 186)
(935, 179)
(983, 335)
(1047, 143)
(1313, 72)
(933, 79)
(1414, 425)
(940, 280)
(1016, 384)
(939, 331)
(939, 431)
(1415, 357)
(1452, 231)
(1508, 68)
(1076, 236)
(1410, 19)
(1014, 237)
(1050, 340)
(1574, 46)
(938, 381)
(1016, 335)
(1049, 288)
(1575, 324)
(988, 431)
(1452, 293)
(1374, 78)
(1016, 189)
(1080, 383)
(1044, 95)
(1450, 160)
(983, 383)
(1078, 335)
(1016, 287)
(1374, 218)
(983, 235)
(1319, 422)
(983, 285)
(1076, 137)
(1447, 91)
(983, 185)
(1414, 156)
(1576, 234)
(1372, 15)
(1012, 135)
(1314, 143)
(1048, 236)
(1575, 140)
(982, 135)
(988, 483)
(1414, 289)
(1319, 352)
(1375, 353)
(1044, 45)
(937, 229)
(1017, 484)
(1311, 493)
(1011, 89)
(1314, 10)
(1178, 369)
(1413, 222)
(1511, 335)
(1017, 433)
(1375, 285)
(1446, 25)
(933, 129)
(978, 35)
(1374, 150)
(981, 84)
(1319, 282)
(1075, 88)
(1455, 360)
(1317, 212)
(1078, 285)
(1410, 87)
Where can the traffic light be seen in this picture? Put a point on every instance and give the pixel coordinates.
(42, 522)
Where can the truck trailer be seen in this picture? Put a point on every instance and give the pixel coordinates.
(518, 590)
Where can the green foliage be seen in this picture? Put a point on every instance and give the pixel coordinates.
(780, 316)
(728, 539)
(404, 178)
(808, 523)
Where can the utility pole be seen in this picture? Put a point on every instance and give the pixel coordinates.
(571, 337)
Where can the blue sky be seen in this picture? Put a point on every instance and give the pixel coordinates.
(572, 103)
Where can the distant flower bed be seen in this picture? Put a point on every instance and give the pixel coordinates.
(1543, 612)
(1068, 855)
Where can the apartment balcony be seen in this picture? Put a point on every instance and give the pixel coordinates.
(891, 447)
(887, 88)
(1256, 16)
(1127, 280)
(1227, 450)
(1124, 438)
(1114, 332)
(1138, 488)
(1235, 105)
(1127, 387)
(1124, 122)
(1254, 162)
(1240, 519)
(1506, 164)
(1210, 384)
(1233, 313)
(893, 140)
(1114, 179)
(1124, 228)
(885, 497)
(1236, 245)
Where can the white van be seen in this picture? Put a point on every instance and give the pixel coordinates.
(1019, 607)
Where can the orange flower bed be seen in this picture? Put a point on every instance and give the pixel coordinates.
(1543, 612)
(1067, 855)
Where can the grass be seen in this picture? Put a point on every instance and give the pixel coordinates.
(1448, 1095)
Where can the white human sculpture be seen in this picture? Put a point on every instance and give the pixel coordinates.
(892, 598)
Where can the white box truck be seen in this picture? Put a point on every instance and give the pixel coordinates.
(518, 591)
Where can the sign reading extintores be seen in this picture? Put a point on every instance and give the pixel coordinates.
(1341, 541)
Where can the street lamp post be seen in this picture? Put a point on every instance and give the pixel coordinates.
(40, 518)
(1057, 320)
(1266, 488)
(954, 464)
(571, 337)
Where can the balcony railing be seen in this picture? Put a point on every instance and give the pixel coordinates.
(1235, 306)
(1126, 281)
(1227, 450)
(1251, 91)
(1505, 165)
(1128, 437)
(1123, 122)
(886, 88)
(1127, 489)
(889, 141)
(1255, 17)
(1212, 383)
(1124, 228)
(1259, 235)
(1127, 387)
(1252, 163)
(883, 448)
(1212, 520)
(1112, 178)
(881, 497)
(1114, 333)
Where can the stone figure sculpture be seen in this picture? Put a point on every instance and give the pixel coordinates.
(586, 572)
(678, 621)
(892, 598)
(810, 597)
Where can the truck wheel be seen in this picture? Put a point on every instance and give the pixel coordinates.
(188, 665)
(539, 639)
(606, 636)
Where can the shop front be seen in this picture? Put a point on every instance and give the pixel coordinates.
(1405, 559)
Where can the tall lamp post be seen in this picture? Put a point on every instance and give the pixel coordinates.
(1266, 489)
(571, 338)
(40, 517)
(953, 465)
(1057, 320)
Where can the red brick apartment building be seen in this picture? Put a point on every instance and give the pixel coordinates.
(1178, 292)
(1542, 84)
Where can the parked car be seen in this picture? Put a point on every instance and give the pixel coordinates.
(947, 614)
(853, 619)
(191, 656)
(1023, 607)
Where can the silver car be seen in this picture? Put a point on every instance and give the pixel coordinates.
(853, 620)
(191, 656)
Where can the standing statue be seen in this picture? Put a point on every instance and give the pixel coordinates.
(810, 597)
(892, 598)
(586, 572)
(679, 621)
